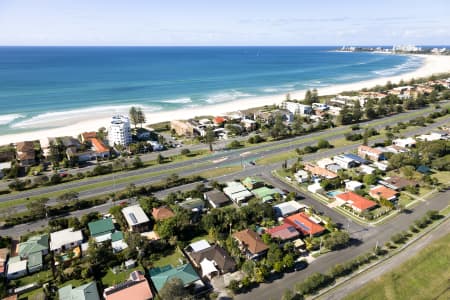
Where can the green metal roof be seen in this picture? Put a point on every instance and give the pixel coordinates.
(117, 236)
(185, 273)
(34, 260)
(101, 227)
(263, 192)
(87, 291)
(37, 243)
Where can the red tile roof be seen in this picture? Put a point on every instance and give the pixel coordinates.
(251, 240)
(316, 170)
(219, 120)
(98, 145)
(382, 192)
(162, 213)
(284, 232)
(356, 200)
(135, 289)
(370, 149)
(303, 223)
(88, 135)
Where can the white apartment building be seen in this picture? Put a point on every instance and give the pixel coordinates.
(119, 131)
(297, 108)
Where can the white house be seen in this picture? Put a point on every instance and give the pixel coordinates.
(16, 268)
(119, 131)
(65, 239)
(315, 188)
(136, 218)
(353, 185)
(288, 208)
(365, 169)
(345, 162)
(434, 136)
(405, 143)
(237, 192)
(301, 176)
(324, 162)
(297, 108)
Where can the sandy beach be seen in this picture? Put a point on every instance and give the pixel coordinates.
(432, 65)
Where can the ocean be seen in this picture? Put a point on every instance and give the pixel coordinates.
(45, 87)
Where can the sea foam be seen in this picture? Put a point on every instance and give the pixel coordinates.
(64, 118)
(6, 119)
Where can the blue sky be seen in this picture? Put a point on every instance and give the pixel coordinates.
(226, 22)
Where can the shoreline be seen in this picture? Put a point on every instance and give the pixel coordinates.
(433, 64)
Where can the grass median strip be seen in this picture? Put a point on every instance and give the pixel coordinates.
(109, 182)
(424, 276)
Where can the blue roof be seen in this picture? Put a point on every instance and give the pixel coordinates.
(423, 169)
(356, 158)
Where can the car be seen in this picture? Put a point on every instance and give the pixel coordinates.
(252, 162)
(300, 265)
(123, 203)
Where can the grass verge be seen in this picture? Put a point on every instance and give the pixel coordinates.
(425, 276)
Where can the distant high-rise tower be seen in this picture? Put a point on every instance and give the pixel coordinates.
(119, 131)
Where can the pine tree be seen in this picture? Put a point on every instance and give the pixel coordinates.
(133, 113)
(140, 116)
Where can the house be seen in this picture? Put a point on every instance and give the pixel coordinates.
(182, 128)
(324, 162)
(345, 162)
(101, 230)
(35, 262)
(16, 268)
(250, 243)
(405, 143)
(117, 241)
(252, 183)
(26, 153)
(382, 192)
(65, 239)
(423, 169)
(334, 168)
(35, 244)
(356, 202)
(383, 166)
(288, 208)
(434, 136)
(185, 273)
(100, 148)
(269, 117)
(316, 170)
(193, 204)
(283, 232)
(219, 121)
(202, 255)
(86, 291)
(358, 159)
(315, 188)
(216, 198)
(136, 218)
(135, 288)
(297, 108)
(397, 183)
(162, 213)
(366, 169)
(370, 153)
(265, 194)
(4, 254)
(86, 136)
(353, 185)
(304, 224)
(237, 192)
(301, 176)
(249, 124)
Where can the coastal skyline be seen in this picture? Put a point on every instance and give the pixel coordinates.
(200, 23)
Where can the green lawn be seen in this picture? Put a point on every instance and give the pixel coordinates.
(270, 159)
(111, 279)
(443, 176)
(424, 276)
(172, 259)
(219, 171)
(42, 276)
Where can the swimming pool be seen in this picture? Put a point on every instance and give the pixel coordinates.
(332, 194)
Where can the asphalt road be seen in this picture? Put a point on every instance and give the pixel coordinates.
(197, 165)
(360, 280)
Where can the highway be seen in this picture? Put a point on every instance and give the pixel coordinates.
(204, 163)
